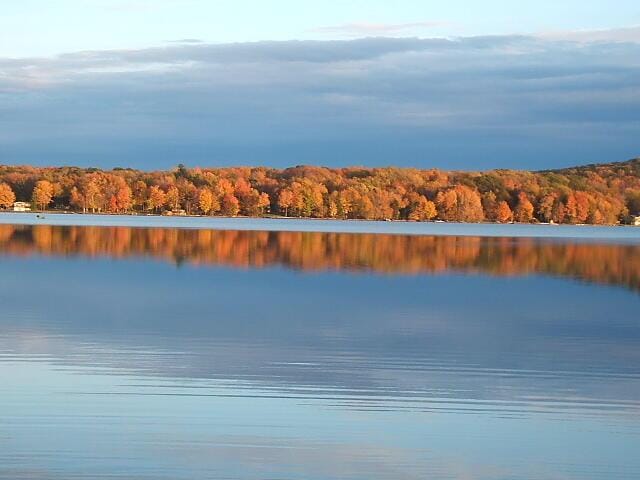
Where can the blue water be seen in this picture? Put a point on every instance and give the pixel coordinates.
(123, 366)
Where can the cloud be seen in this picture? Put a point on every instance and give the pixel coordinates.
(192, 41)
(502, 101)
(378, 29)
(631, 35)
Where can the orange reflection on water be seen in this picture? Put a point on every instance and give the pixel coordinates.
(388, 254)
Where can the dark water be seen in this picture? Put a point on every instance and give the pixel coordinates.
(196, 354)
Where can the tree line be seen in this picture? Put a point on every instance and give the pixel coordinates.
(386, 254)
(594, 194)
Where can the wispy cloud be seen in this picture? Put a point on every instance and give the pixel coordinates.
(187, 41)
(378, 29)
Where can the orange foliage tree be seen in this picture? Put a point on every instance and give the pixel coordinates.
(597, 194)
(7, 197)
(43, 194)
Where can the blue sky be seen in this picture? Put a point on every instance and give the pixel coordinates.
(455, 84)
(37, 27)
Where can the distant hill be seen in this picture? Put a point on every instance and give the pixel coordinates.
(630, 167)
(597, 194)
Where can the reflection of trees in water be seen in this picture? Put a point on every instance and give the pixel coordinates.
(393, 254)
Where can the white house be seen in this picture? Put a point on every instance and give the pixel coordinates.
(636, 221)
(21, 207)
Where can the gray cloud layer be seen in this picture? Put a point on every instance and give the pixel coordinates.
(466, 103)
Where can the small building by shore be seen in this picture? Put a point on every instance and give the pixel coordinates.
(635, 221)
(21, 207)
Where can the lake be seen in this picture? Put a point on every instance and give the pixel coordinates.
(578, 233)
(248, 349)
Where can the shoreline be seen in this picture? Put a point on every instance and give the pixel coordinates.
(313, 219)
(615, 233)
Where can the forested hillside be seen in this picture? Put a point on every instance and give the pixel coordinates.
(597, 194)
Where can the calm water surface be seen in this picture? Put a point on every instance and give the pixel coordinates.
(579, 233)
(162, 353)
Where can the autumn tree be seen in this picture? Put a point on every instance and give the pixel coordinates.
(230, 205)
(381, 200)
(124, 198)
(172, 198)
(140, 191)
(43, 194)
(523, 212)
(77, 200)
(308, 197)
(503, 213)
(264, 202)
(421, 209)
(285, 200)
(157, 198)
(189, 194)
(571, 209)
(558, 212)
(208, 202)
(113, 204)
(250, 203)
(93, 193)
(225, 187)
(583, 206)
(344, 204)
(460, 204)
(7, 197)
(490, 206)
(360, 203)
(546, 207)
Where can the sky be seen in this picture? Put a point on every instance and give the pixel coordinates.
(457, 84)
